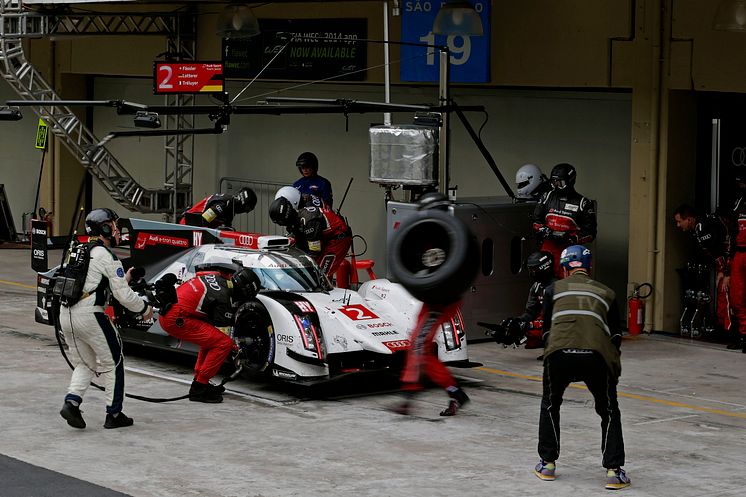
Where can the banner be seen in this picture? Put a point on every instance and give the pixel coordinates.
(470, 55)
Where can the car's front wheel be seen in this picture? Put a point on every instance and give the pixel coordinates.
(255, 337)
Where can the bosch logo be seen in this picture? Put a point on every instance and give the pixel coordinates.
(37, 231)
(380, 325)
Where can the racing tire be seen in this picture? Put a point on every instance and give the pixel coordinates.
(434, 256)
(255, 338)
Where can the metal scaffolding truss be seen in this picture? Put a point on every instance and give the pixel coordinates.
(179, 29)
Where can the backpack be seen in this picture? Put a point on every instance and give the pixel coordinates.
(70, 280)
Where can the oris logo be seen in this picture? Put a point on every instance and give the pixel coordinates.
(284, 339)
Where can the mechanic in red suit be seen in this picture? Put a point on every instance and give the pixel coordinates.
(738, 264)
(201, 305)
(422, 363)
(317, 229)
(219, 209)
(563, 217)
(713, 239)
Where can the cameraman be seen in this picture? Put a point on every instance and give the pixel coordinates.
(202, 304)
(89, 333)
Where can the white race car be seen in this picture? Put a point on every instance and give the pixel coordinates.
(299, 328)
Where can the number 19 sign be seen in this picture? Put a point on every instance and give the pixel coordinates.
(188, 77)
(470, 55)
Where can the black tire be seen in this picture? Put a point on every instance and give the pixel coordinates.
(255, 334)
(434, 256)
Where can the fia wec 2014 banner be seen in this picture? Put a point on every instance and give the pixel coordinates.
(470, 55)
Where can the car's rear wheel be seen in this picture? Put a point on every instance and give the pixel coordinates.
(255, 336)
(434, 256)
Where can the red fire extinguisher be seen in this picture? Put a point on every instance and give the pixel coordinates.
(636, 309)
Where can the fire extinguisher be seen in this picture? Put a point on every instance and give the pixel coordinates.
(636, 308)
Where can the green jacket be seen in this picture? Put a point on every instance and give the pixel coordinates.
(584, 315)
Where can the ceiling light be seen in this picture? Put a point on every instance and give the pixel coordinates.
(237, 21)
(730, 16)
(458, 18)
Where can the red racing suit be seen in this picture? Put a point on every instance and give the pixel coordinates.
(325, 235)
(204, 302)
(422, 356)
(714, 240)
(563, 217)
(738, 266)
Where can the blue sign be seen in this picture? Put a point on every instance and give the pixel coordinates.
(470, 55)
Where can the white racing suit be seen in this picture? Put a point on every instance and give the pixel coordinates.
(94, 344)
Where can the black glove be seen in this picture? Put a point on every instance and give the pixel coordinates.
(510, 332)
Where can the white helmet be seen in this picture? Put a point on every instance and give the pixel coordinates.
(527, 179)
(290, 193)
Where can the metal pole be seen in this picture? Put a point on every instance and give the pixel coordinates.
(444, 99)
(386, 70)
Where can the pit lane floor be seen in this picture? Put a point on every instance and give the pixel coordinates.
(683, 409)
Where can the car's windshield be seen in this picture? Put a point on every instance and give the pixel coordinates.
(304, 279)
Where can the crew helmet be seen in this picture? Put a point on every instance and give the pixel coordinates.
(563, 175)
(576, 257)
(291, 194)
(281, 212)
(433, 200)
(308, 159)
(527, 179)
(96, 222)
(540, 265)
(244, 200)
(246, 283)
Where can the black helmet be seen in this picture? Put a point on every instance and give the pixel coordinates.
(244, 200)
(281, 212)
(96, 222)
(433, 200)
(246, 284)
(563, 175)
(308, 159)
(540, 265)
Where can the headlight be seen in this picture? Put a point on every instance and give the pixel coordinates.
(453, 332)
(310, 334)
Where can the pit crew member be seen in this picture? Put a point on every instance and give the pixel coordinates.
(218, 210)
(563, 217)
(88, 331)
(310, 182)
(203, 303)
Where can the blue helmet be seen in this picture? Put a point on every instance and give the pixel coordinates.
(576, 257)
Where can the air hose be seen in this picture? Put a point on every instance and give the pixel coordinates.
(58, 335)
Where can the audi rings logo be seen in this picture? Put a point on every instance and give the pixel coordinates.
(738, 156)
(245, 240)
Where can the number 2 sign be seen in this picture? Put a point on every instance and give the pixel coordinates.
(469, 55)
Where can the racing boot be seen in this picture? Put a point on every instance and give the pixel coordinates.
(739, 343)
(72, 415)
(201, 392)
(458, 400)
(215, 388)
(118, 420)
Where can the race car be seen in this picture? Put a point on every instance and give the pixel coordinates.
(299, 328)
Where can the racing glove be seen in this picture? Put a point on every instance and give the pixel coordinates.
(543, 232)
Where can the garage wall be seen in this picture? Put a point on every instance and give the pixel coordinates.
(588, 129)
(19, 160)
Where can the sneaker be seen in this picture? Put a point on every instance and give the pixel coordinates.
(72, 415)
(545, 470)
(121, 420)
(617, 479)
(458, 400)
(201, 392)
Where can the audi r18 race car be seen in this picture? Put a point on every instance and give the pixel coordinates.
(299, 328)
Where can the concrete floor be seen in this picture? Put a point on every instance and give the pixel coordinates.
(683, 406)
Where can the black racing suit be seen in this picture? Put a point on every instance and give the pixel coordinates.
(533, 314)
(563, 217)
(714, 240)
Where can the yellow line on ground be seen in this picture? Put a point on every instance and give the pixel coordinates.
(644, 398)
(13, 283)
